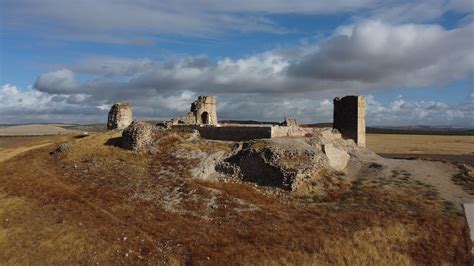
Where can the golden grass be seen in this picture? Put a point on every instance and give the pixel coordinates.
(31, 235)
(420, 144)
(94, 182)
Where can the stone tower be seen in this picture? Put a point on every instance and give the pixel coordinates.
(204, 110)
(120, 116)
(349, 118)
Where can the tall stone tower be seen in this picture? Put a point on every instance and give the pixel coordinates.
(120, 116)
(349, 118)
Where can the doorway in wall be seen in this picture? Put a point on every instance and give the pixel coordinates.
(205, 118)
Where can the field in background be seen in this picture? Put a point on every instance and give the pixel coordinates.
(420, 144)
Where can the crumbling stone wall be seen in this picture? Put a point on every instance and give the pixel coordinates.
(120, 116)
(203, 112)
(137, 136)
(289, 122)
(349, 118)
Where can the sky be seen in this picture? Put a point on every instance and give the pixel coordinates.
(68, 61)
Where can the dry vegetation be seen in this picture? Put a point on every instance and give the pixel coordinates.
(421, 144)
(97, 203)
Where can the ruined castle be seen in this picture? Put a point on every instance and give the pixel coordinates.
(349, 121)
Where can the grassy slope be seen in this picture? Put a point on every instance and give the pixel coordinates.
(102, 204)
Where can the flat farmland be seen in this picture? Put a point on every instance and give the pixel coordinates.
(420, 144)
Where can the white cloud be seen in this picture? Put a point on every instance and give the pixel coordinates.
(58, 82)
(300, 81)
(392, 55)
(401, 111)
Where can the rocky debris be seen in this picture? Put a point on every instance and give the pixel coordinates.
(137, 136)
(120, 116)
(337, 158)
(279, 163)
(61, 149)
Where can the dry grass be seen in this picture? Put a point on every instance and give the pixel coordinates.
(98, 203)
(420, 144)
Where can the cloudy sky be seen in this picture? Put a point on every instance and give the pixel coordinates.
(69, 61)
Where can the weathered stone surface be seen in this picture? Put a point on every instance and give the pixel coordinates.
(120, 116)
(327, 135)
(349, 118)
(203, 112)
(137, 136)
(338, 158)
(289, 122)
(279, 163)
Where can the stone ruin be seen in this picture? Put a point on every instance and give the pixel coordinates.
(120, 116)
(137, 136)
(203, 112)
(288, 122)
(349, 118)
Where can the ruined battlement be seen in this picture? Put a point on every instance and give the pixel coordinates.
(203, 112)
(349, 120)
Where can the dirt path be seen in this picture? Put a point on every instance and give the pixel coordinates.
(10, 153)
(437, 174)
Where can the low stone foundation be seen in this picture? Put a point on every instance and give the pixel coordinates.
(247, 132)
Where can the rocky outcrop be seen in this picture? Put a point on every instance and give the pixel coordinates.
(275, 162)
(120, 116)
(137, 136)
(289, 163)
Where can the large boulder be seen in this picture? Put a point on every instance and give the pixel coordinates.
(120, 116)
(137, 136)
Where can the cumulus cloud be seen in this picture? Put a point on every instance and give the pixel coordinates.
(109, 66)
(406, 55)
(300, 81)
(58, 82)
(401, 111)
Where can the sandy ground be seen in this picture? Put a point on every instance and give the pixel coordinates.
(34, 130)
(420, 144)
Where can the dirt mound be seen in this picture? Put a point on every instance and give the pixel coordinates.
(34, 130)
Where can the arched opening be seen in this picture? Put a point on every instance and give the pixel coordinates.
(205, 118)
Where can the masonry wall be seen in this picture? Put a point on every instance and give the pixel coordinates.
(288, 131)
(235, 133)
(349, 118)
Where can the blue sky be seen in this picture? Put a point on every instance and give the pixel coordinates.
(68, 61)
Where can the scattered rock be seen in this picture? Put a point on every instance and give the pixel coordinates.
(137, 136)
(61, 149)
